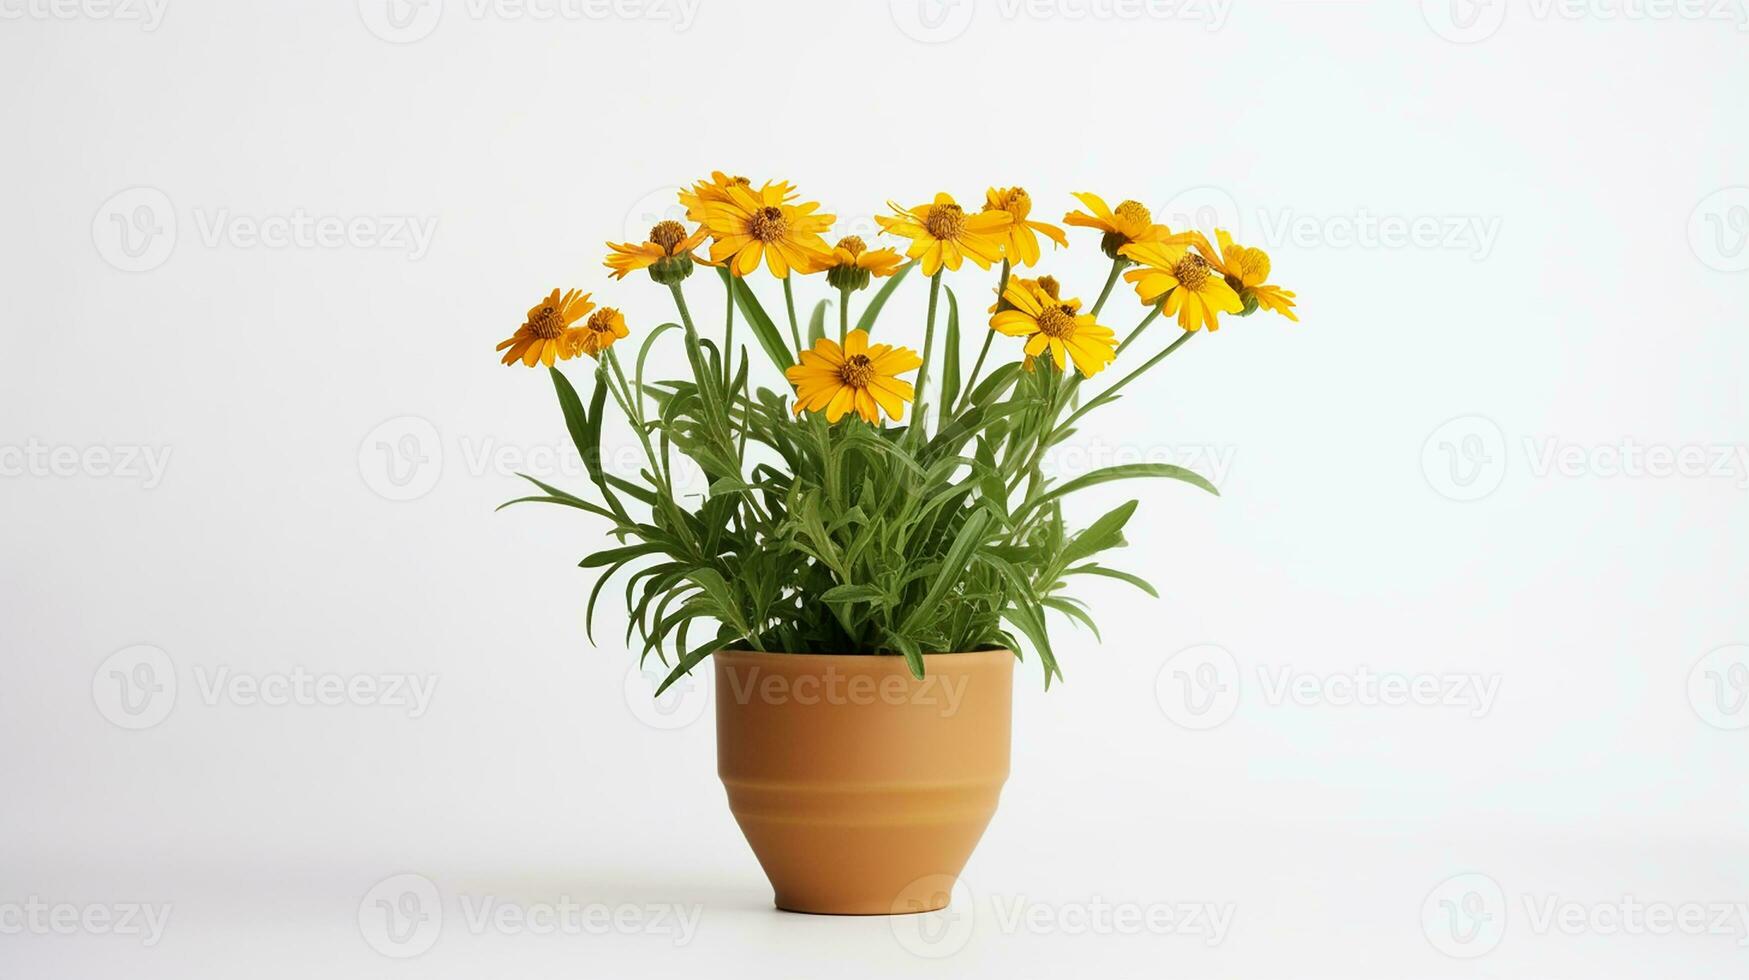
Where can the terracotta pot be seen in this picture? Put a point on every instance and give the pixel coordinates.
(862, 789)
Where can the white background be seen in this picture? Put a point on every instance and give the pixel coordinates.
(1590, 305)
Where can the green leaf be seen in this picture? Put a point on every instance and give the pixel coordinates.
(1107, 532)
(686, 663)
(855, 593)
(764, 330)
(872, 312)
(950, 354)
(1130, 471)
(913, 653)
(952, 566)
(817, 323)
(1101, 570)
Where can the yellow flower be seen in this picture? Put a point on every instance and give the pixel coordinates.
(542, 337)
(852, 263)
(1022, 240)
(1247, 270)
(1193, 289)
(597, 334)
(716, 191)
(668, 240)
(748, 225)
(942, 234)
(1056, 325)
(855, 376)
(1126, 224)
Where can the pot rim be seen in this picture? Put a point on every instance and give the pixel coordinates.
(822, 659)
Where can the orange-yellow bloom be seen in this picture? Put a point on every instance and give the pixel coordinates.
(943, 235)
(716, 191)
(597, 334)
(1247, 271)
(1022, 241)
(1185, 283)
(668, 240)
(1054, 325)
(542, 337)
(1126, 224)
(748, 226)
(857, 377)
(852, 262)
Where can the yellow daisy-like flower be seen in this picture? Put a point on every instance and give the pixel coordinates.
(837, 380)
(1193, 289)
(748, 226)
(852, 262)
(1055, 325)
(704, 193)
(597, 334)
(668, 240)
(1125, 224)
(542, 337)
(942, 234)
(1022, 240)
(1247, 271)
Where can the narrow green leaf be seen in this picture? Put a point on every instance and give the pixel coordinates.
(952, 567)
(764, 330)
(1130, 471)
(817, 323)
(950, 354)
(1101, 570)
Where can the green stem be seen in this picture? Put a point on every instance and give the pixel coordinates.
(1137, 332)
(1133, 375)
(789, 302)
(1117, 266)
(729, 334)
(918, 424)
(989, 335)
(843, 316)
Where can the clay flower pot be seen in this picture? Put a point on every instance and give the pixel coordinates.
(861, 789)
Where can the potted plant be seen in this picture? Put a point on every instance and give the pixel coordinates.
(873, 551)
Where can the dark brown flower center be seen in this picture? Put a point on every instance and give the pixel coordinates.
(768, 224)
(1049, 285)
(1192, 271)
(856, 371)
(601, 321)
(1056, 322)
(668, 234)
(945, 222)
(546, 323)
